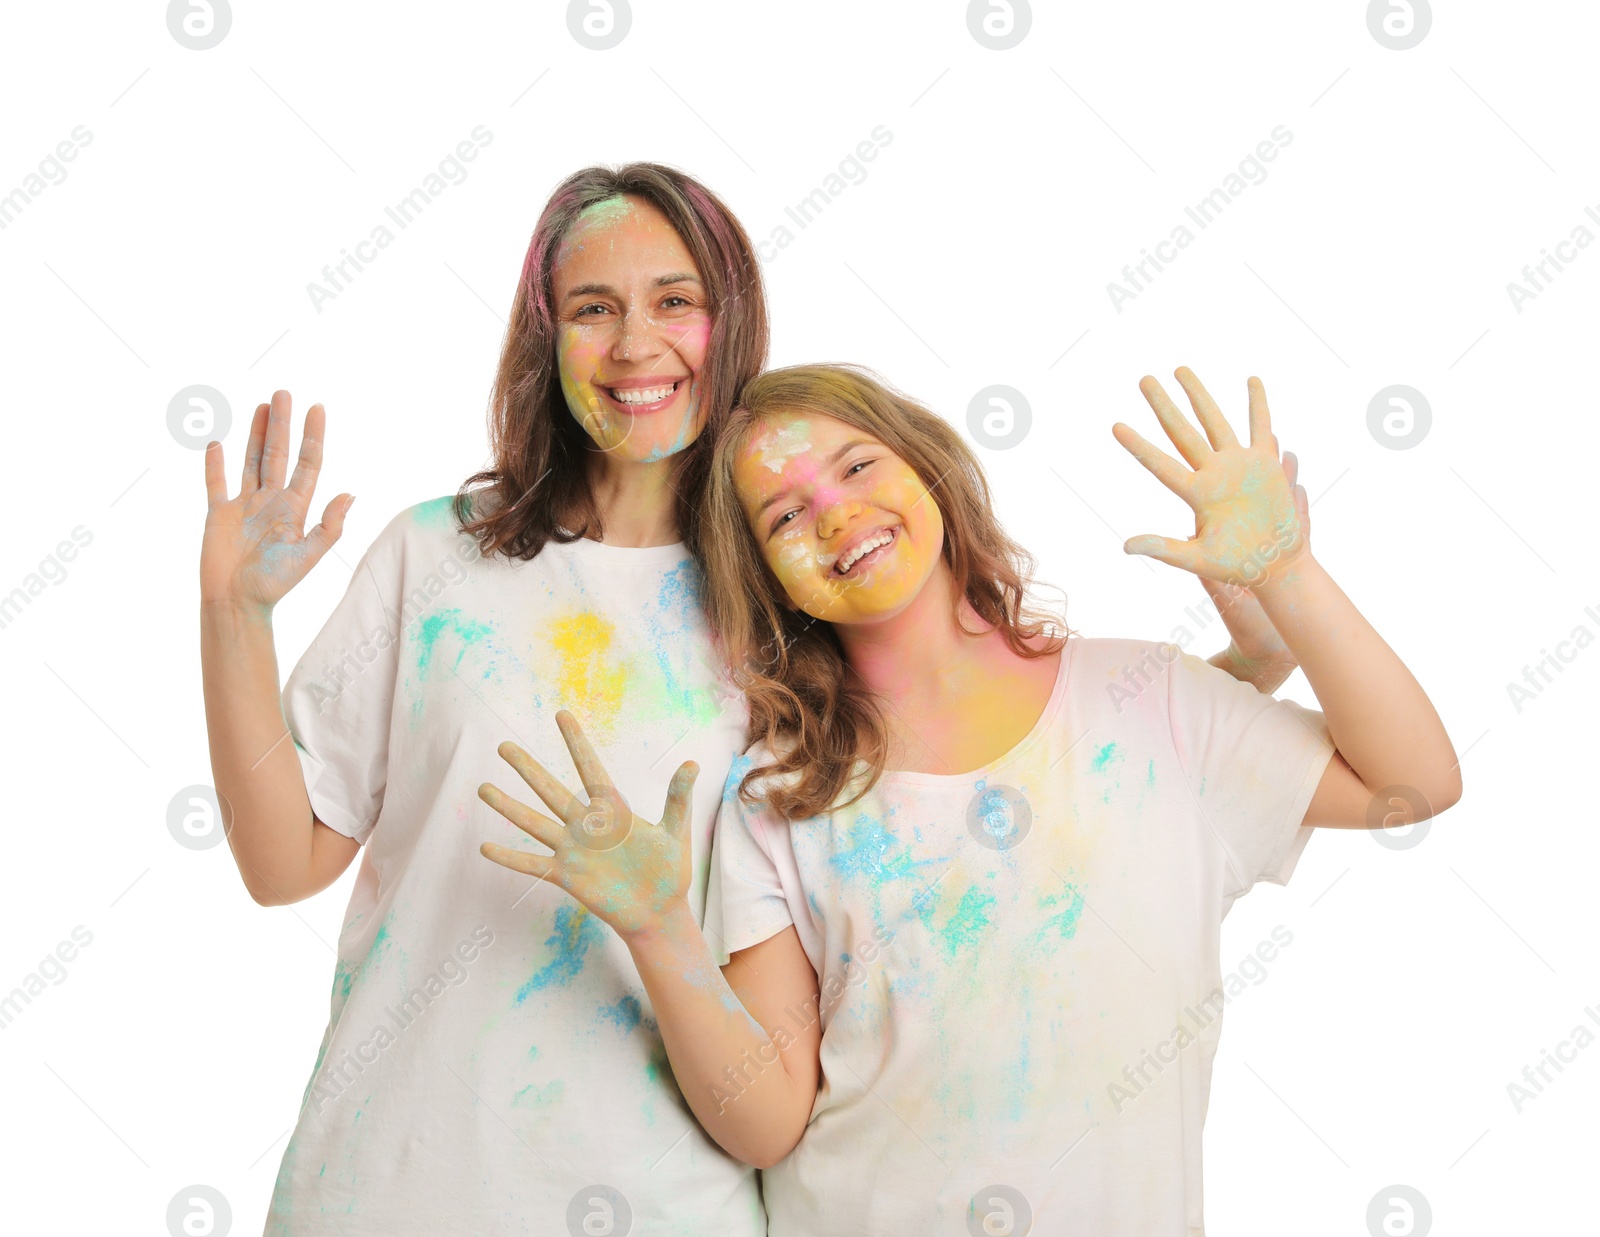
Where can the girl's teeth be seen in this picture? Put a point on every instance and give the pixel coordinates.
(643, 395)
(862, 550)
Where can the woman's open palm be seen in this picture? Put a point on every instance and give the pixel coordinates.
(627, 871)
(256, 547)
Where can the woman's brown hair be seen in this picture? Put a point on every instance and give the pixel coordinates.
(818, 718)
(537, 489)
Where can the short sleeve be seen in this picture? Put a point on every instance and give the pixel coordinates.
(339, 697)
(1252, 763)
(745, 901)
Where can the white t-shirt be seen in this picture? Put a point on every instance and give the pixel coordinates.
(491, 1066)
(1020, 967)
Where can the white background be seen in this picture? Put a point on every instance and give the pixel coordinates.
(1017, 184)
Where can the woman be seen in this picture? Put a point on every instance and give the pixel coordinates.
(491, 1063)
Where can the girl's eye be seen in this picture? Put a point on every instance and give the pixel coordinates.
(782, 520)
(856, 467)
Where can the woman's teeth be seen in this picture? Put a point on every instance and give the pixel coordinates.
(856, 553)
(643, 395)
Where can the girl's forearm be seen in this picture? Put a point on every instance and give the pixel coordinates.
(1380, 719)
(258, 778)
(727, 1066)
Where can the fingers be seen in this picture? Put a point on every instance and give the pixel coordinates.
(304, 481)
(1184, 436)
(542, 866)
(1168, 471)
(1216, 425)
(534, 824)
(275, 452)
(1291, 466)
(556, 797)
(321, 538)
(250, 479)
(680, 798)
(593, 774)
(1184, 555)
(1260, 418)
(216, 481)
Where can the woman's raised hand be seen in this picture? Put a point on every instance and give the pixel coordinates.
(1250, 516)
(627, 871)
(256, 547)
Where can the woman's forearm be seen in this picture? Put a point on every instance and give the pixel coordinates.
(259, 783)
(1379, 717)
(727, 1066)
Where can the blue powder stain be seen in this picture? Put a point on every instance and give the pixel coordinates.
(437, 513)
(678, 607)
(736, 771)
(1150, 776)
(576, 930)
(431, 628)
(625, 1014)
(875, 854)
(1104, 757)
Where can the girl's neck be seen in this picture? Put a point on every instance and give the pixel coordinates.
(636, 501)
(922, 653)
(956, 700)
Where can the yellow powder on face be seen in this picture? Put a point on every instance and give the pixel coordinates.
(583, 643)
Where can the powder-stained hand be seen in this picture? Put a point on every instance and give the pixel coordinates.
(1250, 517)
(628, 872)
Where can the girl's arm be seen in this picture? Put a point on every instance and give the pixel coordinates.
(751, 1088)
(254, 551)
(1249, 531)
(1256, 653)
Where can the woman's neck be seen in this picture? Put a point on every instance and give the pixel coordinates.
(636, 501)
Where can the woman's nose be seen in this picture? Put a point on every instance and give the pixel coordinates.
(637, 337)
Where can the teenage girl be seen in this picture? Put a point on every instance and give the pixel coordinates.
(971, 874)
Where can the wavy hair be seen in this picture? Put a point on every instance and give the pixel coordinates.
(537, 487)
(825, 727)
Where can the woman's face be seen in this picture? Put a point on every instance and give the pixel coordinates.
(845, 524)
(633, 324)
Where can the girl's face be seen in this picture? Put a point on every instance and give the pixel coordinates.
(845, 524)
(633, 324)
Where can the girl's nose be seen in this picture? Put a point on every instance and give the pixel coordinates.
(836, 516)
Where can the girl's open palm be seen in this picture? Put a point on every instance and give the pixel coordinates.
(1250, 516)
(256, 547)
(627, 871)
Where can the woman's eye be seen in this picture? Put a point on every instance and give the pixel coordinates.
(584, 312)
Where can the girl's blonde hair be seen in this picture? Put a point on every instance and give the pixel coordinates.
(806, 704)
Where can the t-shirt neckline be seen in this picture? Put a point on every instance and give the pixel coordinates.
(638, 553)
(1045, 720)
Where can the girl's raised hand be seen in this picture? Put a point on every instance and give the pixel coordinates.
(256, 547)
(1250, 517)
(627, 871)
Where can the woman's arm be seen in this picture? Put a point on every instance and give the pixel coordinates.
(751, 1088)
(254, 551)
(1249, 531)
